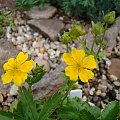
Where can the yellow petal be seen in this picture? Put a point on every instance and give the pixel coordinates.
(10, 64)
(21, 58)
(78, 55)
(7, 77)
(67, 57)
(27, 66)
(85, 75)
(72, 72)
(19, 78)
(89, 62)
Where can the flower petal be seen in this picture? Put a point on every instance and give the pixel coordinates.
(27, 66)
(72, 72)
(7, 77)
(85, 75)
(10, 64)
(21, 58)
(67, 57)
(89, 62)
(19, 78)
(78, 55)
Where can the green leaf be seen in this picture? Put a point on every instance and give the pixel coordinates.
(102, 54)
(6, 116)
(69, 113)
(13, 106)
(110, 112)
(50, 105)
(20, 113)
(95, 111)
(36, 75)
(86, 115)
(28, 103)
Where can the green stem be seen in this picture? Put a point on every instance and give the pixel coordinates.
(102, 38)
(93, 43)
(67, 50)
(67, 92)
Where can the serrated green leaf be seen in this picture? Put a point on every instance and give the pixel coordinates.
(50, 105)
(86, 115)
(110, 112)
(28, 103)
(68, 113)
(95, 111)
(36, 75)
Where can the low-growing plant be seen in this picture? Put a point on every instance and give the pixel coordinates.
(117, 4)
(87, 9)
(6, 19)
(98, 31)
(27, 4)
(59, 106)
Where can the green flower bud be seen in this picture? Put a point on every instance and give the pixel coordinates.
(97, 28)
(110, 17)
(76, 31)
(65, 38)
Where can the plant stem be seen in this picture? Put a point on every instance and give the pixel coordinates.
(67, 50)
(67, 92)
(93, 43)
(102, 39)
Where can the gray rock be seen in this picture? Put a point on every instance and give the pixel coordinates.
(7, 50)
(49, 84)
(48, 27)
(112, 33)
(45, 13)
(41, 62)
(89, 40)
(115, 67)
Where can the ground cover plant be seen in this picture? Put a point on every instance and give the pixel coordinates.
(87, 9)
(6, 19)
(80, 64)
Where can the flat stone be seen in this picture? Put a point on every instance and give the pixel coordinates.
(7, 50)
(115, 68)
(89, 40)
(112, 33)
(48, 27)
(45, 13)
(49, 84)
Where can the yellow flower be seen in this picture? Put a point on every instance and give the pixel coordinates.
(17, 69)
(79, 65)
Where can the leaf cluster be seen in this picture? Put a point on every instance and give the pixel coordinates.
(88, 9)
(98, 32)
(76, 109)
(27, 4)
(6, 19)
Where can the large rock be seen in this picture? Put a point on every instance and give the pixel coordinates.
(115, 67)
(7, 50)
(89, 40)
(45, 13)
(48, 27)
(49, 84)
(112, 33)
(8, 3)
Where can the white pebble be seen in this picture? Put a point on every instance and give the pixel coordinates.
(13, 90)
(108, 62)
(113, 78)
